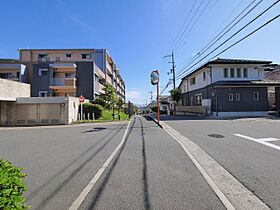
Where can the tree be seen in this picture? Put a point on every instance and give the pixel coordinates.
(110, 97)
(176, 96)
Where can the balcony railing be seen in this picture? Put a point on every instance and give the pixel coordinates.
(63, 81)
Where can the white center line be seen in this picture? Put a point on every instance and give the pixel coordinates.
(261, 141)
(76, 204)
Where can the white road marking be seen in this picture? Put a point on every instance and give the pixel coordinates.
(76, 204)
(230, 191)
(269, 139)
(263, 141)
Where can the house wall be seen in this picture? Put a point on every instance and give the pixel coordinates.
(189, 98)
(246, 103)
(277, 98)
(254, 73)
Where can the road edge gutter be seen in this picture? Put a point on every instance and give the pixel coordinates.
(77, 203)
(232, 193)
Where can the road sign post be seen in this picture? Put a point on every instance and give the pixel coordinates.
(82, 100)
(155, 81)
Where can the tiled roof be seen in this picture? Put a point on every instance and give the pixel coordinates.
(237, 61)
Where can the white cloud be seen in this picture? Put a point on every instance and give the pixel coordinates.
(133, 95)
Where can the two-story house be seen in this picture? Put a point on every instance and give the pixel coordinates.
(228, 87)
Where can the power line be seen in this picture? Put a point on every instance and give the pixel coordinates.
(194, 24)
(245, 26)
(219, 36)
(183, 24)
(245, 37)
(196, 11)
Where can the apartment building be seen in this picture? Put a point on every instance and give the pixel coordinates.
(70, 72)
(13, 70)
(229, 87)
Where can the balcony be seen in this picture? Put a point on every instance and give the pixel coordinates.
(100, 73)
(63, 67)
(63, 85)
(101, 89)
(109, 68)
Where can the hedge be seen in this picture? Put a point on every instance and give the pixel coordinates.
(11, 186)
(89, 108)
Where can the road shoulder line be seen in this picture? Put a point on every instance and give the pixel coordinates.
(230, 191)
(76, 204)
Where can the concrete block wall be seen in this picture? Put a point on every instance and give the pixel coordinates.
(11, 89)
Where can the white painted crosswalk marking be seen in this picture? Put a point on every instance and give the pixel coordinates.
(264, 141)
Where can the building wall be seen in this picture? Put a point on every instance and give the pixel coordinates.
(39, 83)
(253, 73)
(85, 79)
(246, 102)
(76, 55)
(39, 111)
(277, 98)
(11, 89)
(189, 98)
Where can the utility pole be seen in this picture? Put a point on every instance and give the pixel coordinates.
(173, 70)
(173, 67)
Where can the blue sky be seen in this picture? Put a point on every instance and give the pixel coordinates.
(137, 33)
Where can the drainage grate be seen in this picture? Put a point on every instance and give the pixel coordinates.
(215, 135)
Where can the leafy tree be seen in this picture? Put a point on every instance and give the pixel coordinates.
(176, 94)
(110, 97)
(99, 101)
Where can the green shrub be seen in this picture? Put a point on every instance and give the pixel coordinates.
(108, 115)
(89, 108)
(154, 108)
(99, 101)
(11, 186)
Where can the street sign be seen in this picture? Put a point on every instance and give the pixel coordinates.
(154, 77)
(82, 99)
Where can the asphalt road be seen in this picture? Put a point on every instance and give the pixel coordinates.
(255, 165)
(151, 171)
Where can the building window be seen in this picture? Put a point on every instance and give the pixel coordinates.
(68, 55)
(43, 72)
(225, 73)
(230, 97)
(256, 95)
(85, 56)
(204, 75)
(237, 97)
(232, 73)
(192, 81)
(238, 72)
(245, 72)
(198, 99)
(57, 58)
(43, 93)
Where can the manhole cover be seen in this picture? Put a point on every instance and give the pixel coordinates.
(215, 135)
